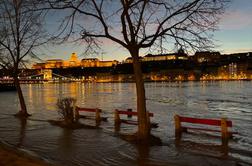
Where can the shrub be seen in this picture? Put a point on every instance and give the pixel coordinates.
(66, 109)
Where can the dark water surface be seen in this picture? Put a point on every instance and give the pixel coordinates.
(101, 147)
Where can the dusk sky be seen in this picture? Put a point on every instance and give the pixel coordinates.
(234, 35)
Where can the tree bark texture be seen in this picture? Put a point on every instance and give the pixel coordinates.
(143, 128)
(23, 111)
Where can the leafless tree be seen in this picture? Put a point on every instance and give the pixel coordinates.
(140, 24)
(21, 31)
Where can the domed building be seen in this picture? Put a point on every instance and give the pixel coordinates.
(73, 62)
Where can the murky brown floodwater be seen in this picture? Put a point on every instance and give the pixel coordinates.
(101, 147)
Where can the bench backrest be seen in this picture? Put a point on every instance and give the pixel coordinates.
(131, 113)
(212, 122)
(87, 109)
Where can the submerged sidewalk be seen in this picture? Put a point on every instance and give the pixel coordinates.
(13, 157)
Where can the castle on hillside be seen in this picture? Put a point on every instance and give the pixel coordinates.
(73, 62)
(203, 65)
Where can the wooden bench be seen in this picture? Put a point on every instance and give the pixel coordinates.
(223, 123)
(130, 113)
(97, 112)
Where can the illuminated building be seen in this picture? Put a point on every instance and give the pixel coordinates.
(165, 57)
(54, 63)
(207, 56)
(161, 57)
(89, 62)
(161, 67)
(233, 71)
(74, 62)
(38, 66)
(130, 60)
(107, 63)
(95, 62)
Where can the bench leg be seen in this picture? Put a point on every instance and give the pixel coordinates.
(117, 117)
(178, 129)
(129, 110)
(224, 128)
(97, 115)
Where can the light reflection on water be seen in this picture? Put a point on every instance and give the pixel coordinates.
(101, 147)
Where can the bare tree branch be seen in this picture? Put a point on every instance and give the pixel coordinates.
(141, 24)
(21, 31)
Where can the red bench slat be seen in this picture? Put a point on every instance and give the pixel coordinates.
(127, 113)
(212, 122)
(131, 113)
(87, 109)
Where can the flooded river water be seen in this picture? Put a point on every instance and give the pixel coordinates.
(231, 99)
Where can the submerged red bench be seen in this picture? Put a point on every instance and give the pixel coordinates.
(130, 113)
(223, 123)
(97, 112)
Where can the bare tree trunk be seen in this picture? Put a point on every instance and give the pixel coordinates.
(23, 112)
(143, 128)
